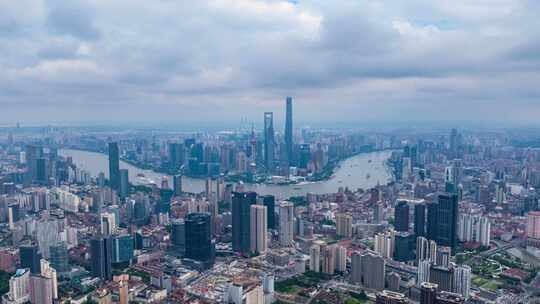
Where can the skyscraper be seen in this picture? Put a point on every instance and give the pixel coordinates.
(101, 257)
(373, 271)
(447, 216)
(258, 230)
(124, 183)
(344, 225)
(289, 130)
(401, 216)
(178, 235)
(114, 166)
(30, 257)
(59, 257)
(403, 246)
(199, 245)
(241, 202)
(269, 143)
(286, 224)
(123, 246)
(270, 202)
(32, 154)
(419, 220)
(177, 184)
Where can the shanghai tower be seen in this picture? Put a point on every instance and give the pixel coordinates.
(288, 130)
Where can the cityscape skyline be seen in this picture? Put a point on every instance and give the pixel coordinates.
(269, 152)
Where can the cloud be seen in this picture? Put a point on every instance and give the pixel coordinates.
(345, 60)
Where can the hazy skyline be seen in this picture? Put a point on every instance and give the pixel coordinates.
(211, 61)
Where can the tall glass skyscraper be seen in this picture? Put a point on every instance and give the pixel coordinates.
(269, 144)
(289, 130)
(101, 257)
(114, 166)
(241, 204)
(199, 237)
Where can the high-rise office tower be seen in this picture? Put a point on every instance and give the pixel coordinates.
(101, 257)
(178, 235)
(177, 184)
(344, 225)
(406, 168)
(176, 155)
(428, 293)
(42, 173)
(289, 129)
(59, 257)
(403, 247)
(259, 228)
(270, 202)
(315, 258)
(269, 142)
(123, 246)
(286, 224)
(453, 143)
(41, 291)
(447, 215)
(114, 166)
(419, 220)
(199, 245)
(401, 216)
(124, 183)
(32, 154)
(241, 204)
(49, 272)
(30, 258)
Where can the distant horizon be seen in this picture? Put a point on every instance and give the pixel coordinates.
(279, 125)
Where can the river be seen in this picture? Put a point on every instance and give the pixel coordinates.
(360, 171)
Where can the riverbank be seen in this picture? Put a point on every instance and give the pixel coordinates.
(351, 173)
(327, 172)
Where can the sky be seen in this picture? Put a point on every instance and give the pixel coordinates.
(217, 61)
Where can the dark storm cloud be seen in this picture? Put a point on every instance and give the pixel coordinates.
(342, 60)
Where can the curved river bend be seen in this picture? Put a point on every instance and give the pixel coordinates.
(360, 171)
